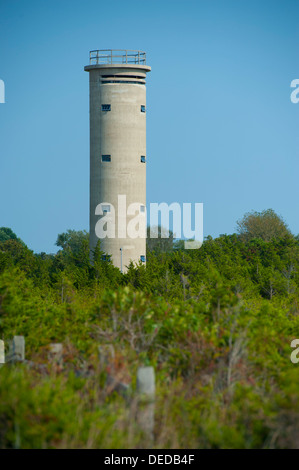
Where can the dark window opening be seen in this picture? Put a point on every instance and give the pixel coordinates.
(105, 208)
(142, 258)
(123, 76)
(106, 158)
(142, 159)
(142, 109)
(121, 81)
(106, 107)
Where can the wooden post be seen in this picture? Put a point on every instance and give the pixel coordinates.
(17, 349)
(2, 353)
(56, 354)
(146, 400)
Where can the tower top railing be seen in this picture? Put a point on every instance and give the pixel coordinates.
(117, 56)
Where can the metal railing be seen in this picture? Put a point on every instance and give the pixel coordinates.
(117, 56)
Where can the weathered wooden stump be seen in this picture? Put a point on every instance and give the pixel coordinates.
(16, 350)
(146, 390)
(55, 355)
(2, 353)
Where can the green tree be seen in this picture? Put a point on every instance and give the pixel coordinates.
(103, 270)
(6, 233)
(74, 257)
(158, 240)
(15, 253)
(72, 240)
(266, 225)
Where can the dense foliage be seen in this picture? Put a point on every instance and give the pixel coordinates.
(216, 323)
(266, 225)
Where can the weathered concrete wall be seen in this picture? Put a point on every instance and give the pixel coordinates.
(120, 133)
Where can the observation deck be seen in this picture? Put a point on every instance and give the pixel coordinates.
(117, 56)
(106, 58)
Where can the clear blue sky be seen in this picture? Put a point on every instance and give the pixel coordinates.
(221, 128)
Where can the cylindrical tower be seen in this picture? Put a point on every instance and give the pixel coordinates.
(118, 154)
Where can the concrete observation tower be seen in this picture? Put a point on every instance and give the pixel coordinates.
(118, 151)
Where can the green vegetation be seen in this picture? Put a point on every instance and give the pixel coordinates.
(216, 323)
(266, 225)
